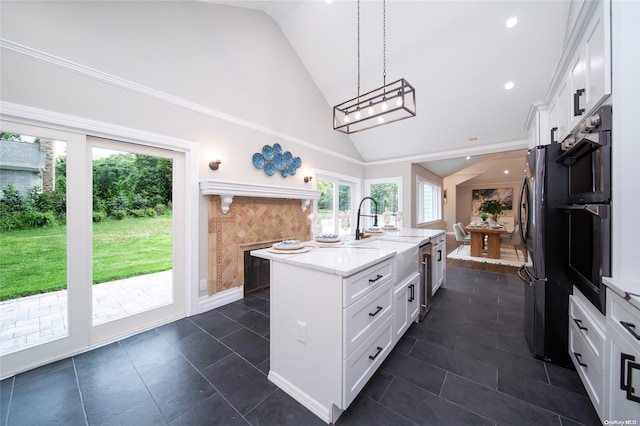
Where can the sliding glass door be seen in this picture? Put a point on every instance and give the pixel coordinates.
(89, 247)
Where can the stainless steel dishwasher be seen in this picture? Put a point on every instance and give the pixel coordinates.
(426, 280)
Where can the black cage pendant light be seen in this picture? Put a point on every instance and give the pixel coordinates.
(391, 102)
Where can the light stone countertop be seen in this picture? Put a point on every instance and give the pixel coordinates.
(629, 290)
(353, 256)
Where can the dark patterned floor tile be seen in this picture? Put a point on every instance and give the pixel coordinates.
(425, 408)
(212, 411)
(249, 345)
(279, 409)
(178, 329)
(216, 324)
(365, 412)
(239, 382)
(498, 407)
(201, 350)
(563, 402)
(255, 321)
(419, 373)
(145, 413)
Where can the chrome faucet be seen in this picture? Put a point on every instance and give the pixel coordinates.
(359, 234)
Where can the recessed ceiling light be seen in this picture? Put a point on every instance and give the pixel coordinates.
(509, 85)
(473, 138)
(512, 22)
(468, 157)
(328, 1)
(506, 172)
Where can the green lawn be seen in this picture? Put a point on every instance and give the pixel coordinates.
(34, 261)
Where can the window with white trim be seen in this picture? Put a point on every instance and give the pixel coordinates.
(386, 191)
(429, 201)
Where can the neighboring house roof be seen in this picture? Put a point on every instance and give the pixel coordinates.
(18, 155)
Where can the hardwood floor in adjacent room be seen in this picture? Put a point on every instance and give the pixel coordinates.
(452, 245)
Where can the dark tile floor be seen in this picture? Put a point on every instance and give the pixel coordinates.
(467, 364)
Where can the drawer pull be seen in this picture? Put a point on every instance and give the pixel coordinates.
(576, 103)
(627, 365)
(579, 359)
(373, 314)
(579, 324)
(412, 297)
(373, 280)
(630, 328)
(372, 357)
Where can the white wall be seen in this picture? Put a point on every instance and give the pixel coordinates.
(221, 76)
(463, 199)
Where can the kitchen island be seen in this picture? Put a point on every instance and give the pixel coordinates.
(336, 313)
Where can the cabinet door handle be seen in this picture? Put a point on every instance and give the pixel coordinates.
(373, 314)
(579, 323)
(412, 286)
(579, 359)
(373, 280)
(630, 396)
(630, 328)
(553, 135)
(372, 357)
(576, 103)
(439, 255)
(626, 375)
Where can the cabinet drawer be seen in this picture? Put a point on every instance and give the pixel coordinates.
(588, 365)
(586, 326)
(361, 365)
(364, 316)
(358, 285)
(623, 316)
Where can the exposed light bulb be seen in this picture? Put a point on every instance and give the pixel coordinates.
(399, 100)
(358, 115)
(370, 110)
(347, 118)
(380, 119)
(384, 105)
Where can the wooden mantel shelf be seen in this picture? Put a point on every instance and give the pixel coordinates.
(227, 190)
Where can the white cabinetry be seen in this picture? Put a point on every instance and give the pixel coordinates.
(586, 346)
(623, 384)
(439, 259)
(582, 80)
(406, 299)
(590, 76)
(329, 333)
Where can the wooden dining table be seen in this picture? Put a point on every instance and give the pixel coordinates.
(493, 240)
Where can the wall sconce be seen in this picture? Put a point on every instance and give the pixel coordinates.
(445, 196)
(307, 179)
(214, 164)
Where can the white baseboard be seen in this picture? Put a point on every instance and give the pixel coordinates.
(206, 303)
(323, 412)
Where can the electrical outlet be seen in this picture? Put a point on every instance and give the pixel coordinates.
(302, 332)
(203, 284)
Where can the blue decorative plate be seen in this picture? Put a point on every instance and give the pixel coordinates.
(284, 173)
(292, 170)
(267, 152)
(297, 162)
(288, 158)
(278, 161)
(269, 169)
(277, 148)
(258, 160)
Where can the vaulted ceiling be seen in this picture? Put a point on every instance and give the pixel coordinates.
(457, 54)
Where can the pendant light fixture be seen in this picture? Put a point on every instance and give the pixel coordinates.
(391, 102)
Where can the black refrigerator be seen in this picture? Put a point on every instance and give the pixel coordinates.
(545, 236)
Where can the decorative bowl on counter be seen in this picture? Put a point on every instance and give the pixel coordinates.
(287, 245)
(327, 238)
(374, 230)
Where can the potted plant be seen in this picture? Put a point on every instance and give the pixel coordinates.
(492, 208)
(484, 216)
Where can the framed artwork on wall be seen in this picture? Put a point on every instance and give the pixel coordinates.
(503, 195)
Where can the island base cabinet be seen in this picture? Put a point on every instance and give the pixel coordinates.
(364, 362)
(306, 336)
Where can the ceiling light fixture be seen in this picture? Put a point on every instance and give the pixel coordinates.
(509, 85)
(468, 157)
(506, 172)
(512, 22)
(391, 102)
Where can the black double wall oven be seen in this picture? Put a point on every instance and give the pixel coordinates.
(588, 159)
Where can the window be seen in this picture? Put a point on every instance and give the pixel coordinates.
(386, 191)
(337, 191)
(429, 201)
